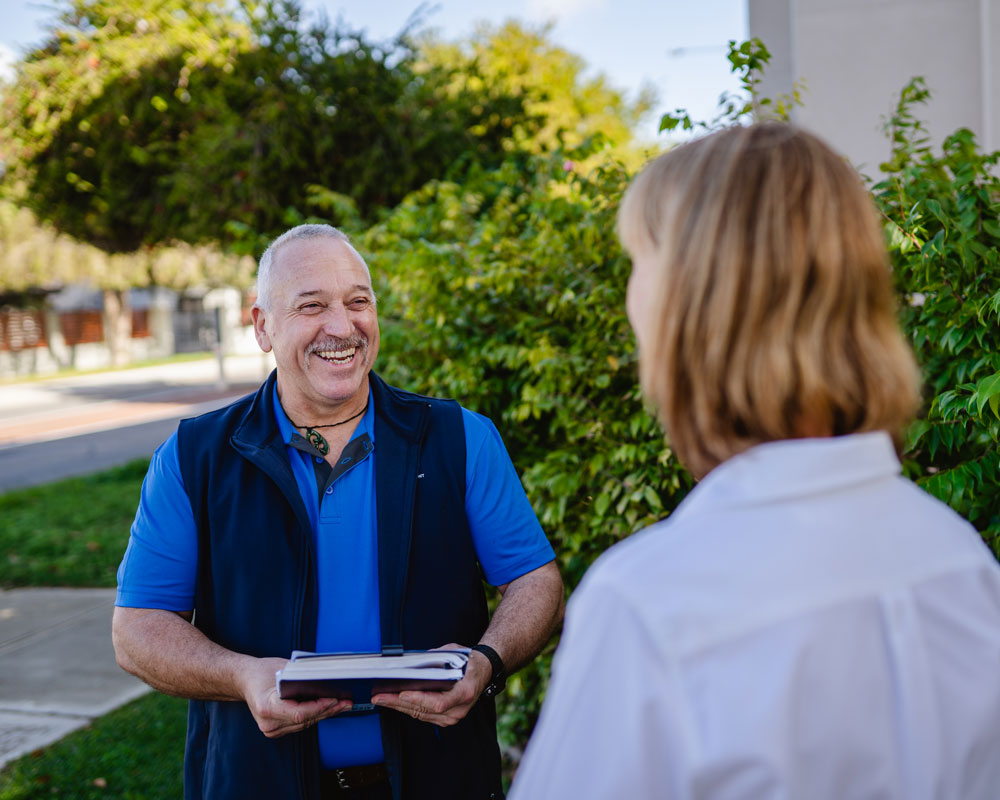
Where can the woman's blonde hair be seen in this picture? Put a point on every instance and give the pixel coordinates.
(775, 305)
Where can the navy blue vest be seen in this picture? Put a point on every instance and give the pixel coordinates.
(256, 591)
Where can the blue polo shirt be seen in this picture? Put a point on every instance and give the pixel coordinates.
(160, 563)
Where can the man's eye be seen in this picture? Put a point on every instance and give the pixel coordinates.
(359, 302)
(310, 307)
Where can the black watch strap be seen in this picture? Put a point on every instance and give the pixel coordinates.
(499, 678)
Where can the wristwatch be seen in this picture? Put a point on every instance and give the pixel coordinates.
(499, 678)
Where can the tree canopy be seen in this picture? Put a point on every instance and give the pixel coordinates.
(87, 138)
(139, 123)
(36, 256)
(521, 60)
(142, 122)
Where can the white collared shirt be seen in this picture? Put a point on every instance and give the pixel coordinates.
(807, 624)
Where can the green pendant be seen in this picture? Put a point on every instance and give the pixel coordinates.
(315, 438)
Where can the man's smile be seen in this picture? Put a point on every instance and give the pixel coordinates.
(337, 356)
(340, 352)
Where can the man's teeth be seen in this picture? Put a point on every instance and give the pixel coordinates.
(337, 355)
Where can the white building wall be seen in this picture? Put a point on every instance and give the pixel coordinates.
(855, 56)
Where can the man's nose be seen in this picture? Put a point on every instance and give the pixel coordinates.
(337, 322)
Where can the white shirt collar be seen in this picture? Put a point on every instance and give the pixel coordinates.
(794, 468)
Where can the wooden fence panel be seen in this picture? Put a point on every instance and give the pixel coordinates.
(140, 323)
(21, 330)
(81, 327)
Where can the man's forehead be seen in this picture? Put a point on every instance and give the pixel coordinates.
(321, 253)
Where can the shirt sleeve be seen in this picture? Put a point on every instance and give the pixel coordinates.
(609, 726)
(161, 561)
(508, 539)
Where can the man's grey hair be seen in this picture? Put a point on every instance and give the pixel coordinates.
(309, 231)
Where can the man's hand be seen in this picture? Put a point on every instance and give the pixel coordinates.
(276, 717)
(443, 708)
(530, 610)
(172, 655)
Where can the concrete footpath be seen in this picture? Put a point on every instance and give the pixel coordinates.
(57, 665)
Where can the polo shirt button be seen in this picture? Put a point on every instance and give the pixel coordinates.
(329, 490)
(319, 460)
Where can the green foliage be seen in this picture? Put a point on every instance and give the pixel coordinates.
(134, 752)
(140, 123)
(33, 255)
(508, 293)
(94, 121)
(69, 533)
(942, 212)
(143, 123)
(747, 60)
(562, 107)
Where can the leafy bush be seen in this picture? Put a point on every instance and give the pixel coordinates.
(508, 293)
(942, 224)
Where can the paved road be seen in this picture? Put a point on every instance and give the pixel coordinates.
(59, 427)
(35, 464)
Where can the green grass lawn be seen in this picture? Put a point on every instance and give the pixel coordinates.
(134, 752)
(69, 533)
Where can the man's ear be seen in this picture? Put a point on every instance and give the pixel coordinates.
(259, 331)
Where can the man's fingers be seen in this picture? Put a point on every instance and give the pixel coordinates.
(426, 702)
(437, 708)
(284, 717)
(313, 708)
(410, 702)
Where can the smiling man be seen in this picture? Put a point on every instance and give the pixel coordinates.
(330, 511)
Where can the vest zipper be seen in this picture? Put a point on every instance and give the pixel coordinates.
(421, 433)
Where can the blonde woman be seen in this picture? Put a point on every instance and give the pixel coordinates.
(808, 623)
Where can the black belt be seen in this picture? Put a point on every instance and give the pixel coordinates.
(343, 780)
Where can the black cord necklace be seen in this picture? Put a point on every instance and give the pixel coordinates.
(317, 440)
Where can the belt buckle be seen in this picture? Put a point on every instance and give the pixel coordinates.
(342, 781)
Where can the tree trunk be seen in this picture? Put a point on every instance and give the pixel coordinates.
(118, 325)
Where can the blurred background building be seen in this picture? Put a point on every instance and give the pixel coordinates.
(854, 56)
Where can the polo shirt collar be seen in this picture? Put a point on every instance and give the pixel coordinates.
(287, 430)
(795, 468)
